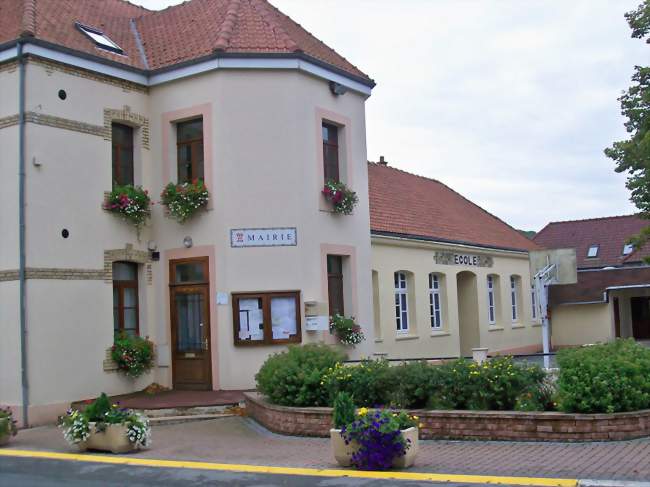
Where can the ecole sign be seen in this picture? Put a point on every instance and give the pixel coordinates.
(263, 237)
(471, 260)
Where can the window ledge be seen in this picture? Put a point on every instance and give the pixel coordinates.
(379, 340)
(406, 337)
(517, 326)
(536, 324)
(495, 328)
(440, 333)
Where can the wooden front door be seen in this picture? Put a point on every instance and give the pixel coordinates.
(190, 324)
(640, 317)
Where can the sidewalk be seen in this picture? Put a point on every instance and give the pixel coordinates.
(238, 440)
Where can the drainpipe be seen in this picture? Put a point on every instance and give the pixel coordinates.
(21, 233)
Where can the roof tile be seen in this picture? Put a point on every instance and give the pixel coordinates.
(403, 203)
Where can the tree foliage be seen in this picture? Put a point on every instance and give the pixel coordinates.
(632, 155)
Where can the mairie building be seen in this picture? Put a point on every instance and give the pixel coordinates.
(103, 93)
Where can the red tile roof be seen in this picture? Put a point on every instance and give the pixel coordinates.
(609, 233)
(185, 32)
(406, 204)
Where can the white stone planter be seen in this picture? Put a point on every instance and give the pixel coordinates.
(112, 439)
(343, 453)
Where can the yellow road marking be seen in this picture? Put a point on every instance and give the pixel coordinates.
(315, 472)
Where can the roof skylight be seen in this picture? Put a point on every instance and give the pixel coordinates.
(627, 249)
(100, 39)
(593, 251)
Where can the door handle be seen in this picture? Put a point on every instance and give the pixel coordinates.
(205, 344)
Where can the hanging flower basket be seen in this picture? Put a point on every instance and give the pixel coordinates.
(133, 355)
(182, 201)
(342, 198)
(346, 330)
(130, 202)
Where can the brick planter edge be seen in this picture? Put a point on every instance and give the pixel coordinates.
(467, 425)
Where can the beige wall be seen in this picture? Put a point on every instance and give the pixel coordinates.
(417, 258)
(265, 135)
(579, 324)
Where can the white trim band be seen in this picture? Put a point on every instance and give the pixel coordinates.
(189, 70)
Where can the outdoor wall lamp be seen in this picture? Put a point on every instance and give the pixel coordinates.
(187, 241)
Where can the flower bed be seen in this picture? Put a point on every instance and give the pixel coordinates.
(466, 425)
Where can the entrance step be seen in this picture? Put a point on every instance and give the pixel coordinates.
(166, 420)
(186, 411)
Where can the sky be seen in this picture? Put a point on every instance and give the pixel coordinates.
(509, 102)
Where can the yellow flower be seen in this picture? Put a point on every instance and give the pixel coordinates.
(363, 411)
(420, 425)
(414, 417)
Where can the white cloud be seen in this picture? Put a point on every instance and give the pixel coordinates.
(509, 102)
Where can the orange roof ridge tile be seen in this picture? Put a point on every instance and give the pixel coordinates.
(578, 220)
(29, 19)
(267, 16)
(228, 25)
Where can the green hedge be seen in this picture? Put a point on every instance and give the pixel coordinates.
(313, 375)
(604, 378)
(293, 378)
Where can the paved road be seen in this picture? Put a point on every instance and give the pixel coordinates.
(27, 472)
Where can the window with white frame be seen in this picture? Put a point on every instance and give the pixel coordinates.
(533, 298)
(513, 298)
(592, 252)
(435, 306)
(492, 312)
(401, 303)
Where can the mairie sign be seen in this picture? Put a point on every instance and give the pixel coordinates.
(263, 237)
(472, 260)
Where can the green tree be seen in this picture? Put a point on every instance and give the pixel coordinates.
(633, 154)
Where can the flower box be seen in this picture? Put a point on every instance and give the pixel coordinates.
(113, 439)
(343, 452)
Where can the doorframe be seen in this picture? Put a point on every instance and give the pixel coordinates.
(172, 260)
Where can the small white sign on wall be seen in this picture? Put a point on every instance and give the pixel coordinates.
(317, 323)
(222, 298)
(263, 237)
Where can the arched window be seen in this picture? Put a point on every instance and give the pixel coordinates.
(435, 300)
(401, 303)
(514, 298)
(492, 298)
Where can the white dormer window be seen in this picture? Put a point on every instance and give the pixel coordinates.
(627, 249)
(100, 39)
(593, 251)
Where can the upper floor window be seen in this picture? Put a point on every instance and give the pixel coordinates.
(435, 306)
(189, 142)
(593, 251)
(331, 152)
(125, 298)
(335, 284)
(401, 302)
(122, 154)
(491, 295)
(514, 305)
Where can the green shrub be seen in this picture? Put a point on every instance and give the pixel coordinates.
(370, 382)
(343, 410)
(604, 378)
(414, 384)
(494, 385)
(294, 377)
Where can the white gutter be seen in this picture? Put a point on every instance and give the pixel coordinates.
(189, 70)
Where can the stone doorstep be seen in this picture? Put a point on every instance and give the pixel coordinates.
(167, 420)
(186, 411)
